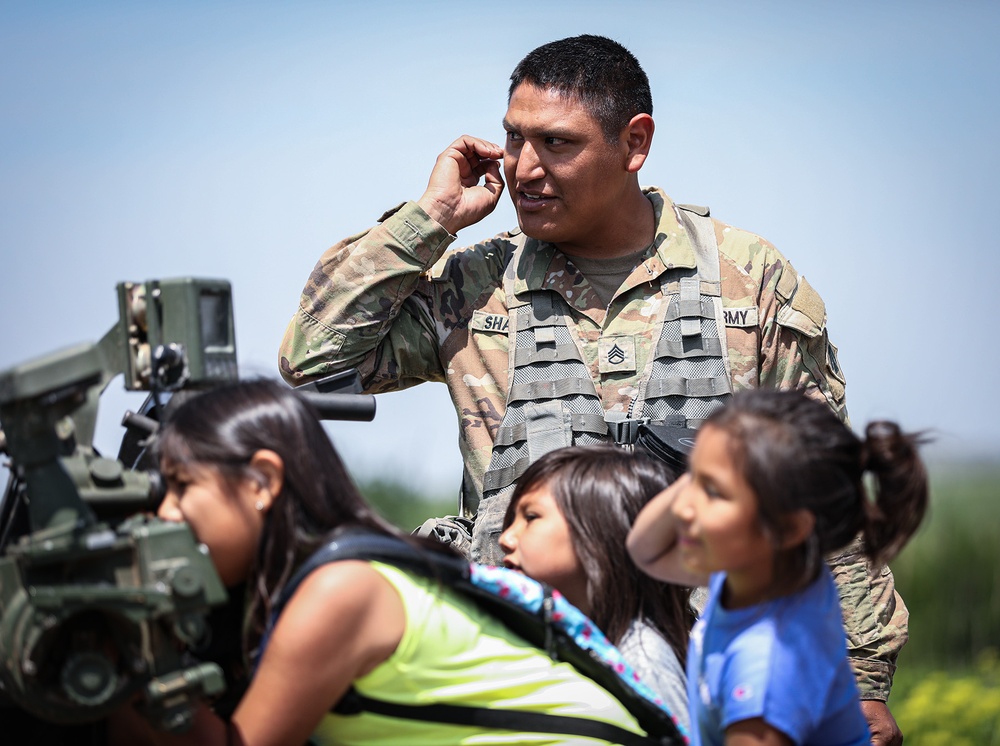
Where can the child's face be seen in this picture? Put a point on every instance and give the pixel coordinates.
(228, 524)
(717, 511)
(538, 543)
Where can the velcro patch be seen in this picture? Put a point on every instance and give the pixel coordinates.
(489, 322)
(807, 300)
(740, 316)
(617, 354)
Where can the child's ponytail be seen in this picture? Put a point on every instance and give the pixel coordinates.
(897, 489)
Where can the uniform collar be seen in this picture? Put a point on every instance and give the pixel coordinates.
(672, 244)
(543, 267)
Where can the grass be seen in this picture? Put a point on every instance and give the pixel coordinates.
(947, 687)
(949, 574)
(405, 507)
(938, 707)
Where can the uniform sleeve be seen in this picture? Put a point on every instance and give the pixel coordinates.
(362, 307)
(796, 351)
(875, 619)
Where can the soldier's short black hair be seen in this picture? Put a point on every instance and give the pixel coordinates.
(600, 72)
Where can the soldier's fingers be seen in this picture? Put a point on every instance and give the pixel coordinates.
(491, 173)
(492, 180)
(475, 149)
(480, 167)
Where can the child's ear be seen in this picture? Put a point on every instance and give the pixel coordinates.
(271, 467)
(799, 524)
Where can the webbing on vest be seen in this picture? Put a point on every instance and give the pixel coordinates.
(552, 400)
(689, 377)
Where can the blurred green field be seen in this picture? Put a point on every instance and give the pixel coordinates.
(949, 706)
(405, 506)
(949, 574)
(947, 687)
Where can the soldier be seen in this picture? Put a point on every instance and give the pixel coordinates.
(608, 306)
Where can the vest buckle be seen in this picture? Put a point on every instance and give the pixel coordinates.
(625, 432)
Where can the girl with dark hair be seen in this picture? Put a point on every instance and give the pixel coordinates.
(776, 482)
(566, 526)
(249, 467)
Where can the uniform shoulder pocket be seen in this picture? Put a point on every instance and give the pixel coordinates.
(805, 311)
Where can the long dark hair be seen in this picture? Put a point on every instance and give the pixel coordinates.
(795, 453)
(222, 429)
(600, 490)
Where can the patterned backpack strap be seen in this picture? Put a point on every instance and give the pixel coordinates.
(567, 634)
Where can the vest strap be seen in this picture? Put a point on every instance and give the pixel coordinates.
(689, 304)
(500, 477)
(548, 354)
(583, 422)
(550, 426)
(688, 387)
(549, 389)
(711, 347)
(626, 432)
(705, 310)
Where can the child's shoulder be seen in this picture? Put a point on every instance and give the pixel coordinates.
(803, 629)
(780, 659)
(809, 630)
(814, 610)
(348, 595)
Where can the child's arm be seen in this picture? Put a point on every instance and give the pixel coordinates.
(652, 542)
(343, 621)
(755, 732)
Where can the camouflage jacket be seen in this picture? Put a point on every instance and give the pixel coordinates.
(394, 303)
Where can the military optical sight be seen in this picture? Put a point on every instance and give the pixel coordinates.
(100, 603)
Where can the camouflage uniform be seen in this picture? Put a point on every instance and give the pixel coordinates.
(390, 302)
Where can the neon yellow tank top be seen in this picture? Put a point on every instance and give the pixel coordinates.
(452, 652)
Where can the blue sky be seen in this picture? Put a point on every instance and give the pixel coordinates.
(239, 140)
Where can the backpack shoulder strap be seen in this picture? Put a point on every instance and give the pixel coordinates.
(526, 607)
(365, 544)
(495, 718)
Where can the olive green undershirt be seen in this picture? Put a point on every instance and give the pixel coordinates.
(607, 275)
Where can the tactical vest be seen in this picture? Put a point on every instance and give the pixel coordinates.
(552, 401)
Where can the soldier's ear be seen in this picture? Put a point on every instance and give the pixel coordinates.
(636, 139)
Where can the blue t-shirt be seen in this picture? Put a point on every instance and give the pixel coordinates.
(783, 660)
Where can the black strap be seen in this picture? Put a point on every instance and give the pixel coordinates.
(495, 718)
(453, 571)
(359, 543)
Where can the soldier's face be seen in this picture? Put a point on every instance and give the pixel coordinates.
(566, 180)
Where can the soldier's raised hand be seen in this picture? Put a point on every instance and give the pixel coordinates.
(454, 196)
